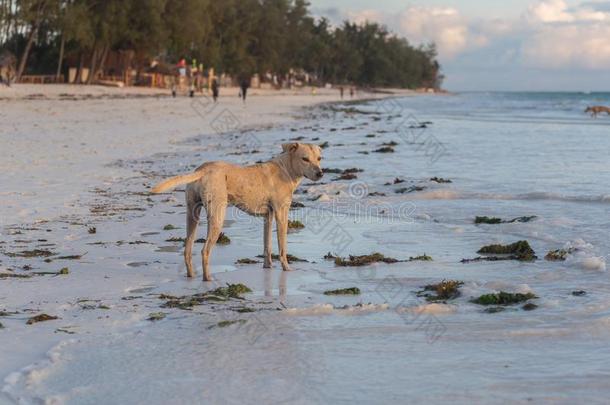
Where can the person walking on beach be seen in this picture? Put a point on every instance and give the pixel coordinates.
(245, 83)
(351, 92)
(341, 91)
(215, 89)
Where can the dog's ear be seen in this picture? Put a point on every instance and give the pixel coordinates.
(289, 147)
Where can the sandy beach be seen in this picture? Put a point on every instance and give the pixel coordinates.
(83, 240)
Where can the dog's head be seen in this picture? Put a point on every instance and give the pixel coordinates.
(305, 159)
(589, 109)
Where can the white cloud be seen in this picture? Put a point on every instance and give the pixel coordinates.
(443, 25)
(362, 16)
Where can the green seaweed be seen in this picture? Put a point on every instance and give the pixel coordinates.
(169, 227)
(343, 291)
(64, 271)
(223, 239)
(13, 275)
(558, 255)
(503, 298)
(291, 258)
(295, 224)
(443, 291)
(224, 324)
(384, 149)
(440, 180)
(363, 260)
(324, 145)
(156, 316)
(487, 220)
(579, 293)
(422, 258)
(520, 250)
(246, 260)
(31, 253)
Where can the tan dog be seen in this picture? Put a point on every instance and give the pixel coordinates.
(598, 109)
(262, 190)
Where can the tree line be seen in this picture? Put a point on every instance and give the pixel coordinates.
(234, 36)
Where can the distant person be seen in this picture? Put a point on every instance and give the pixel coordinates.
(245, 83)
(341, 91)
(215, 89)
(351, 92)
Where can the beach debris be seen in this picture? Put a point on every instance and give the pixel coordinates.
(443, 291)
(291, 258)
(221, 294)
(411, 189)
(296, 204)
(363, 152)
(520, 250)
(495, 220)
(31, 253)
(156, 316)
(246, 260)
(224, 324)
(384, 149)
(558, 255)
(440, 180)
(324, 145)
(243, 310)
(376, 194)
(530, 306)
(92, 230)
(64, 271)
(169, 227)
(579, 293)
(363, 260)
(503, 298)
(41, 318)
(223, 239)
(14, 275)
(344, 291)
(296, 224)
(422, 258)
(371, 135)
(329, 256)
(1, 326)
(391, 143)
(345, 176)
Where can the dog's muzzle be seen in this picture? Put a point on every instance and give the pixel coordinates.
(319, 174)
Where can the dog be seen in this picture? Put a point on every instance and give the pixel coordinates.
(598, 109)
(263, 189)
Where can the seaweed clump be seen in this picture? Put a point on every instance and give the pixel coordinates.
(443, 291)
(246, 260)
(364, 260)
(440, 180)
(219, 294)
(503, 298)
(291, 258)
(40, 318)
(296, 224)
(384, 149)
(421, 258)
(520, 250)
(495, 220)
(31, 253)
(344, 291)
(558, 255)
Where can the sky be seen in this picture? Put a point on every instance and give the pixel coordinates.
(507, 45)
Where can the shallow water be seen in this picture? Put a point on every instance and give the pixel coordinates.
(507, 155)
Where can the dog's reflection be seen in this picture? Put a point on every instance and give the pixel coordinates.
(268, 283)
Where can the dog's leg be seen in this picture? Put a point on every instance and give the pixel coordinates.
(267, 238)
(193, 210)
(281, 218)
(216, 218)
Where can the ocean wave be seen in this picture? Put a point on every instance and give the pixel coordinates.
(536, 195)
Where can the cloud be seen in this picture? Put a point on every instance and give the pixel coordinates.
(561, 37)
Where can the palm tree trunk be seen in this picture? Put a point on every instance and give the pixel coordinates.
(26, 52)
(61, 57)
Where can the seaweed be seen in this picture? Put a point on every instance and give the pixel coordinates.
(1, 326)
(324, 145)
(169, 227)
(520, 250)
(503, 298)
(346, 176)
(246, 260)
(296, 204)
(40, 318)
(331, 170)
(223, 239)
(409, 189)
(296, 224)
(363, 260)
(530, 306)
(224, 324)
(422, 258)
(329, 256)
(384, 149)
(231, 291)
(243, 310)
(495, 220)
(440, 180)
(371, 135)
(443, 291)
(156, 316)
(558, 255)
(291, 258)
(579, 293)
(376, 194)
(92, 230)
(493, 310)
(64, 271)
(391, 143)
(14, 275)
(344, 291)
(31, 253)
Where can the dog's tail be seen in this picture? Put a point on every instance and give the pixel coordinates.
(176, 181)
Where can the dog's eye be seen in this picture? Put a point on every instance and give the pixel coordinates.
(319, 159)
(306, 160)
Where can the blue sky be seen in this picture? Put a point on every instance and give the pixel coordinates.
(499, 44)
